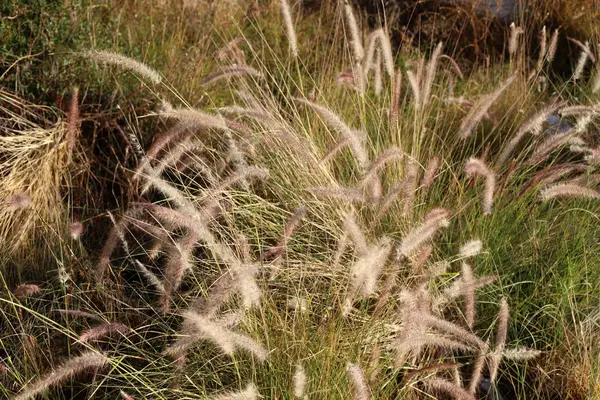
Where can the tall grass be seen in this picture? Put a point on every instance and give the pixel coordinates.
(296, 238)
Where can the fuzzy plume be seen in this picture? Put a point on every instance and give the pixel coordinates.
(423, 233)
(480, 109)
(500, 339)
(291, 224)
(469, 294)
(103, 330)
(25, 290)
(396, 98)
(533, 125)
(470, 249)
(228, 341)
(334, 121)
(349, 195)
(581, 61)
(410, 188)
(250, 393)
(379, 163)
(439, 385)
(231, 71)
(290, 30)
(542, 52)
(552, 47)
(476, 167)
(430, 74)
(299, 382)
(355, 35)
(86, 361)
(568, 190)
(110, 58)
(365, 272)
(193, 118)
(513, 42)
(357, 378)
(125, 396)
(520, 354)
(430, 172)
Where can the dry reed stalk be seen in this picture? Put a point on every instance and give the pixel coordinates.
(440, 385)
(480, 109)
(86, 361)
(299, 382)
(357, 378)
(569, 190)
(231, 71)
(289, 27)
(103, 330)
(110, 58)
(476, 167)
(73, 122)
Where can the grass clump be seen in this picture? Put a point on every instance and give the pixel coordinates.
(298, 235)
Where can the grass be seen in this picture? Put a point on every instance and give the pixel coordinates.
(333, 295)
